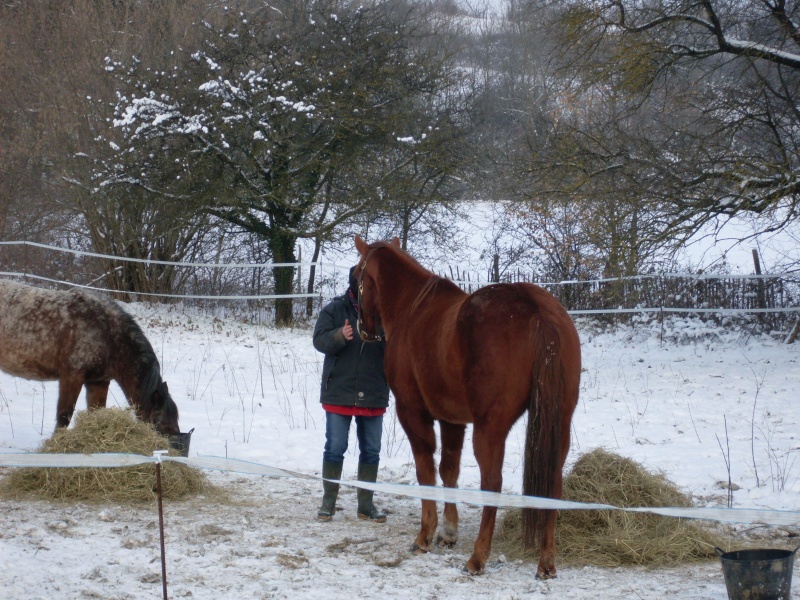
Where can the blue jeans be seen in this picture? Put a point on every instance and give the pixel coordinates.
(368, 431)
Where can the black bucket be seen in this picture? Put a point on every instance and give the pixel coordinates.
(758, 574)
(181, 441)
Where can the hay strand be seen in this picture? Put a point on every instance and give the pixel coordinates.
(610, 538)
(105, 430)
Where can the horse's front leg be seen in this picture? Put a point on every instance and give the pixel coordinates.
(96, 394)
(69, 388)
(422, 438)
(449, 468)
(489, 446)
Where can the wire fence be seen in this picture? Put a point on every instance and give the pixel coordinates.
(245, 288)
(771, 300)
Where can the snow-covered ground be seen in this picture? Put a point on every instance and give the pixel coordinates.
(680, 399)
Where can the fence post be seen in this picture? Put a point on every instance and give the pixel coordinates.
(157, 454)
(299, 269)
(759, 286)
(795, 330)
(757, 265)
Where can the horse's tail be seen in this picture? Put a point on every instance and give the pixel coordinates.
(544, 443)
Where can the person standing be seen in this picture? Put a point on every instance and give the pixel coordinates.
(353, 387)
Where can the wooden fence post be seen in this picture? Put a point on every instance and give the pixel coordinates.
(759, 286)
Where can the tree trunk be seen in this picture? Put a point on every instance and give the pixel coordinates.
(312, 272)
(282, 246)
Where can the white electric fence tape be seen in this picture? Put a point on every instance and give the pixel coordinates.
(477, 283)
(438, 494)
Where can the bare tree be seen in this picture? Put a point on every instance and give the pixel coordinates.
(708, 122)
(53, 114)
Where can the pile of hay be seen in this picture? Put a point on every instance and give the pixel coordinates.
(106, 430)
(608, 538)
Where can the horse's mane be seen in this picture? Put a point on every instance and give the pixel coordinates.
(430, 287)
(433, 282)
(147, 365)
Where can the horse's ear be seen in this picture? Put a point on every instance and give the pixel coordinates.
(361, 246)
(395, 241)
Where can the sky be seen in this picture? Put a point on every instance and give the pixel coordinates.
(683, 399)
(730, 243)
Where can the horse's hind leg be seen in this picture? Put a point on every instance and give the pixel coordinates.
(68, 390)
(96, 394)
(449, 468)
(547, 548)
(489, 445)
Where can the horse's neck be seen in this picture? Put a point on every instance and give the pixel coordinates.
(403, 294)
(128, 378)
(131, 367)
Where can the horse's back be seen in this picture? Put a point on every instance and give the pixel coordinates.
(44, 331)
(506, 328)
(462, 352)
(552, 314)
(513, 308)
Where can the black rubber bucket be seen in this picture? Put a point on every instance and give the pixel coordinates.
(181, 441)
(758, 574)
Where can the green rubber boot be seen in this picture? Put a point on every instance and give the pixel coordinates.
(330, 491)
(366, 509)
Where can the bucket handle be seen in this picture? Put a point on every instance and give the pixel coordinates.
(719, 551)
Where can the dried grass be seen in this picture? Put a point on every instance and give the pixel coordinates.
(609, 538)
(106, 430)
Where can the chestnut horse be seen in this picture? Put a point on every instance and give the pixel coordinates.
(482, 358)
(82, 340)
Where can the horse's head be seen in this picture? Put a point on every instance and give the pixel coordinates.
(366, 273)
(160, 410)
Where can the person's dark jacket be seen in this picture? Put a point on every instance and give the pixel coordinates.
(352, 372)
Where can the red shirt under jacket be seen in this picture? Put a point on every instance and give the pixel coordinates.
(354, 411)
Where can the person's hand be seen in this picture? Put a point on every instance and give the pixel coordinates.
(347, 330)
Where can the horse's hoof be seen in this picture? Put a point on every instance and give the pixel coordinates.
(546, 573)
(448, 537)
(417, 549)
(474, 567)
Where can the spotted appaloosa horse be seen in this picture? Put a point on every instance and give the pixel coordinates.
(482, 358)
(81, 339)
